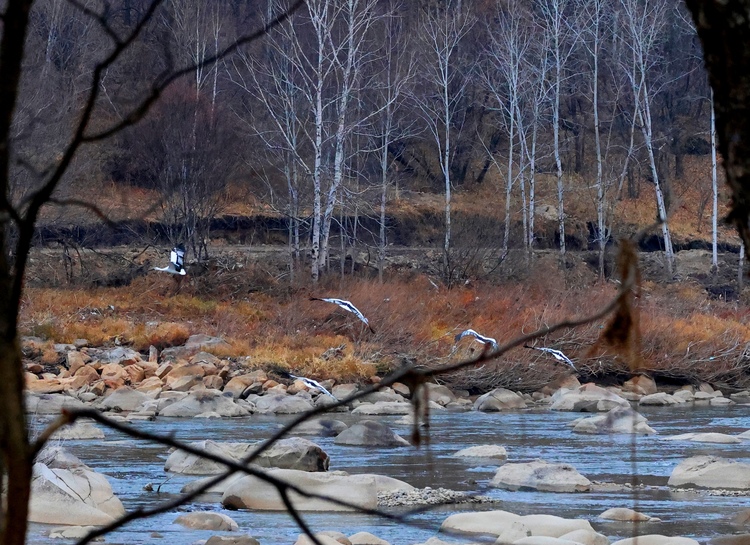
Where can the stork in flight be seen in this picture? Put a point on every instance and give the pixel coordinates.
(310, 383)
(346, 305)
(176, 261)
(489, 342)
(557, 354)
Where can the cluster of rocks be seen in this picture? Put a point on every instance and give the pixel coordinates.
(187, 381)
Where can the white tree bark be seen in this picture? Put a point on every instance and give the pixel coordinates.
(645, 22)
(443, 28)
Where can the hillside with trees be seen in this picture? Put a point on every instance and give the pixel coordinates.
(497, 126)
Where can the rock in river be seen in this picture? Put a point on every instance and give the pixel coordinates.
(251, 492)
(370, 433)
(711, 472)
(618, 420)
(206, 520)
(509, 525)
(204, 401)
(541, 475)
(66, 491)
(288, 453)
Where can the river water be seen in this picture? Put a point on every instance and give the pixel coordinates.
(526, 434)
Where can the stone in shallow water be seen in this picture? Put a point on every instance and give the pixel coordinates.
(711, 472)
(206, 520)
(370, 433)
(483, 451)
(541, 475)
(656, 539)
(627, 515)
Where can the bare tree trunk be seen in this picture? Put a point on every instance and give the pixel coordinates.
(715, 195)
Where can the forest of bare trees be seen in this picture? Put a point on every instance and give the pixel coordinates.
(351, 99)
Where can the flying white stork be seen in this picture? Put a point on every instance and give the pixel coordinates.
(557, 354)
(488, 341)
(346, 305)
(176, 261)
(310, 383)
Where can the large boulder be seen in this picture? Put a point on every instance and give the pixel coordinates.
(499, 399)
(124, 399)
(440, 394)
(66, 491)
(711, 472)
(251, 492)
(541, 475)
(587, 398)
(289, 453)
(282, 404)
(507, 526)
(204, 401)
(640, 384)
(370, 433)
(618, 420)
(51, 403)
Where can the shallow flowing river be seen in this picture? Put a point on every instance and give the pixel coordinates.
(527, 435)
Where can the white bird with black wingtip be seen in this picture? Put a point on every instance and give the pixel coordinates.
(310, 383)
(176, 261)
(487, 341)
(346, 305)
(557, 354)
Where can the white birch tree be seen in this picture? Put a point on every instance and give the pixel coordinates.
(562, 39)
(509, 45)
(645, 22)
(443, 28)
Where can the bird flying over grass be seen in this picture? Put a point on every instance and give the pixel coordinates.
(346, 305)
(557, 354)
(176, 261)
(310, 383)
(489, 341)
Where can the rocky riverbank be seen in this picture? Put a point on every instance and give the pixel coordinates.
(187, 382)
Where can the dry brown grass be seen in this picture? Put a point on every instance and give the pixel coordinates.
(413, 322)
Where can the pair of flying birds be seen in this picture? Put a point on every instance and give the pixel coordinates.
(487, 341)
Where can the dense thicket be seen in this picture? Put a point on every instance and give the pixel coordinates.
(352, 99)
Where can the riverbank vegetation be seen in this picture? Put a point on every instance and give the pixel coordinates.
(687, 336)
